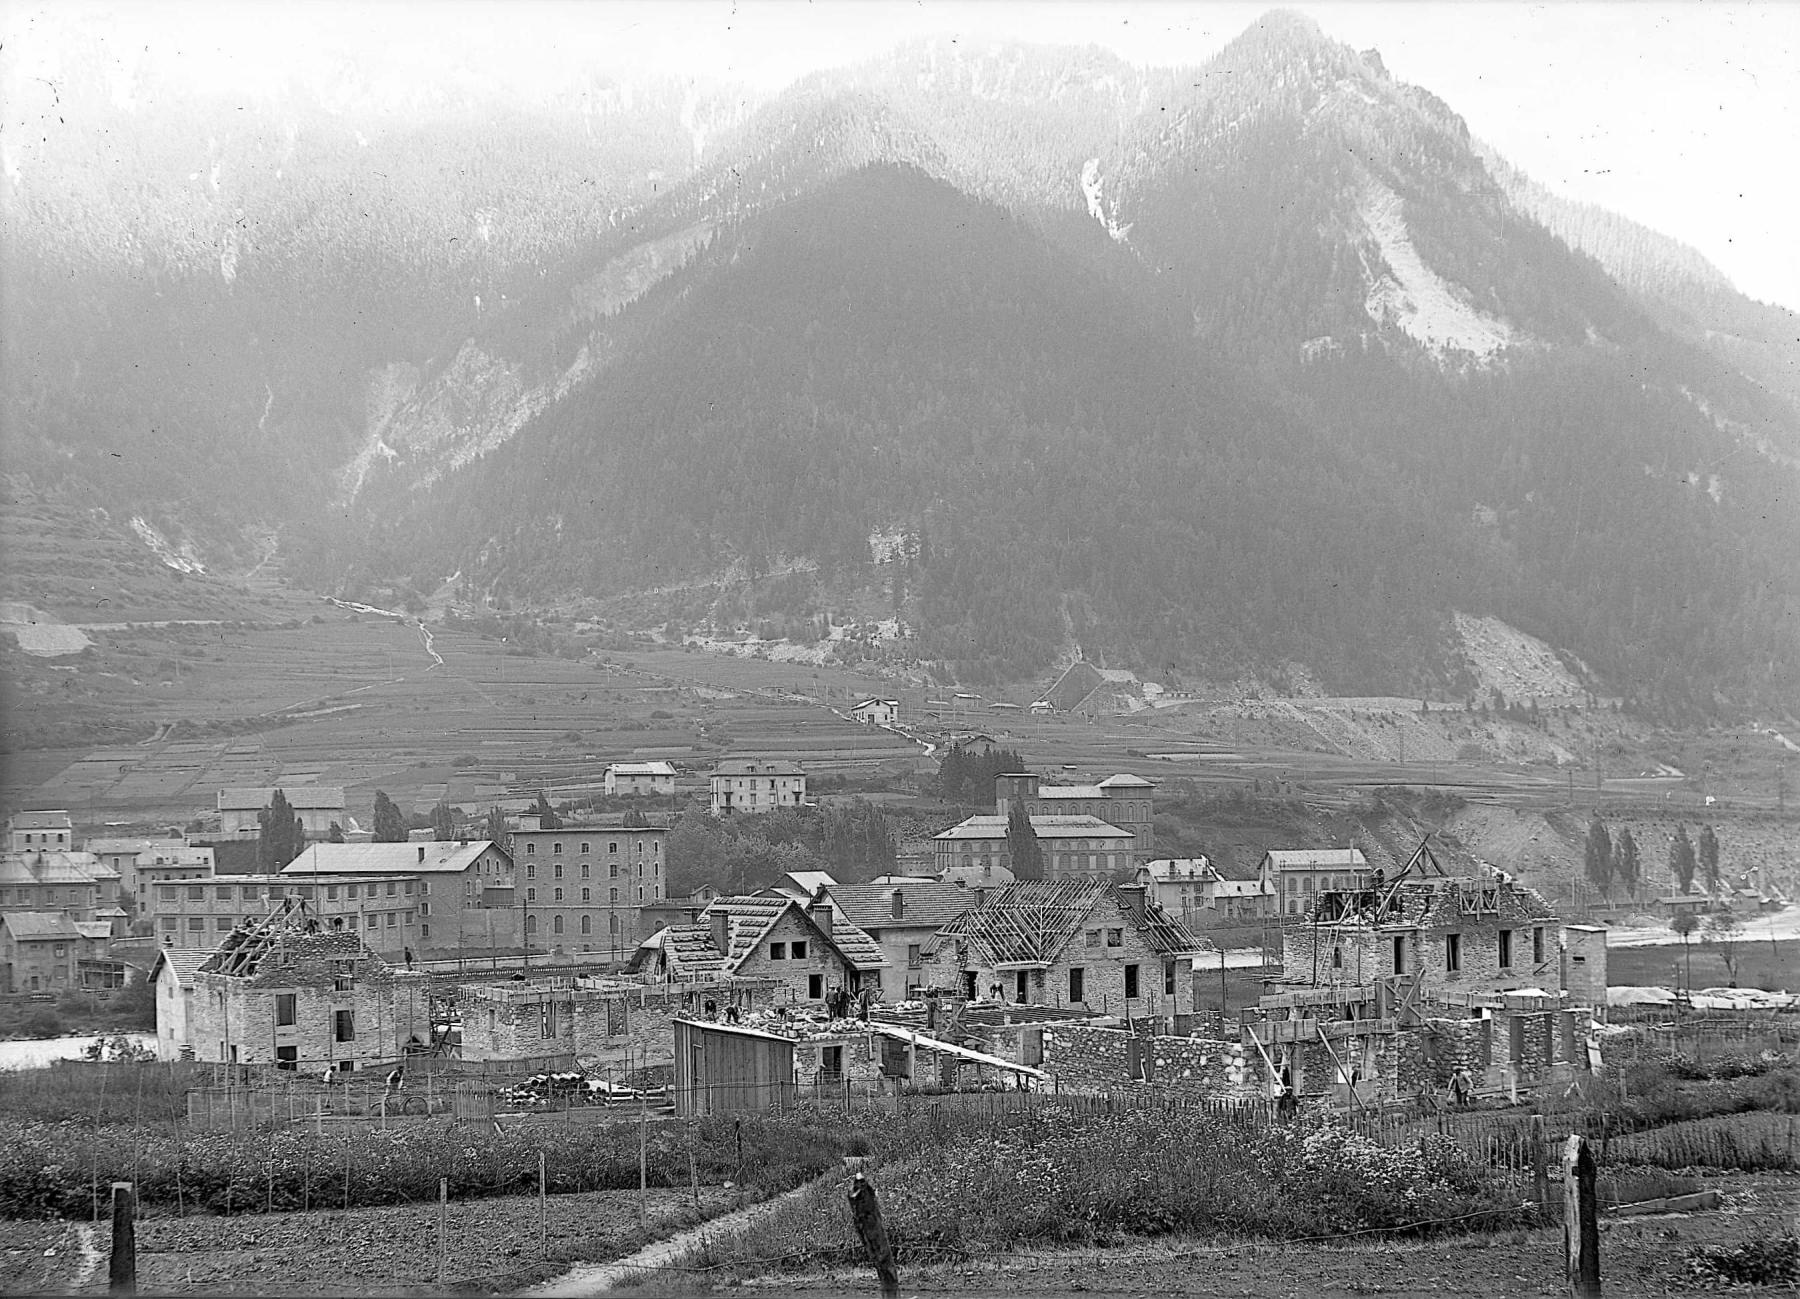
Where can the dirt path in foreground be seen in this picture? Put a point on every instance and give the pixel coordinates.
(598, 1278)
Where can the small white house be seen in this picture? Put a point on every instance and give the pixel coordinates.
(640, 778)
(877, 712)
(173, 975)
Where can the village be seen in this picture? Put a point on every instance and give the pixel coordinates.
(1039, 962)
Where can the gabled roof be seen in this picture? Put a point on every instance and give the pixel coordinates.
(53, 867)
(923, 904)
(312, 798)
(432, 858)
(803, 885)
(33, 926)
(1126, 780)
(1171, 869)
(185, 962)
(1032, 921)
(128, 847)
(1070, 791)
(691, 951)
(1304, 858)
(1243, 889)
(101, 929)
(642, 769)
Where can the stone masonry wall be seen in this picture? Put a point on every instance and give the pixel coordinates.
(1081, 1058)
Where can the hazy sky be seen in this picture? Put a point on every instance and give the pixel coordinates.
(1685, 116)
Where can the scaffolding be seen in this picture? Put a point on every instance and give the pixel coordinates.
(256, 937)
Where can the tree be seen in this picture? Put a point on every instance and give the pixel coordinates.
(1684, 924)
(390, 825)
(1022, 845)
(1723, 931)
(280, 835)
(1681, 859)
(494, 828)
(635, 820)
(1599, 857)
(1625, 861)
(335, 834)
(443, 825)
(546, 815)
(1709, 858)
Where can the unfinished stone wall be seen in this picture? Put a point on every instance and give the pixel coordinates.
(1080, 1057)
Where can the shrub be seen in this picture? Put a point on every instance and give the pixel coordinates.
(42, 1022)
(1756, 1262)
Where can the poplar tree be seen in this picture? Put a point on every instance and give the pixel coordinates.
(390, 825)
(1022, 845)
(1681, 859)
(281, 836)
(1599, 856)
(1709, 858)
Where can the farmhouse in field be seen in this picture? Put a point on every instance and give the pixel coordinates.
(807, 949)
(319, 807)
(756, 785)
(640, 778)
(876, 712)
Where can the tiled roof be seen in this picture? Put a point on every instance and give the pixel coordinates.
(1243, 889)
(1032, 921)
(642, 769)
(442, 857)
(26, 926)
(1069, 791)
(690, 949)
(52, 819)
(94, 928)
(34, 867)
(756, 767)
(1125, 780)
(1174, 869)
(184, 961)
(871, 906)
(131, 847)
(318, 798)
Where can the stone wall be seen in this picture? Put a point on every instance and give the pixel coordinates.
(1083, 1058)
(1354, 954)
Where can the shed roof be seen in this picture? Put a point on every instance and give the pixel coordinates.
(432, 858)
(757, 767)
(642, 769)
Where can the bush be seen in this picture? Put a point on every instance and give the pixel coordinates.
(42, 1022)
(1756, 1262)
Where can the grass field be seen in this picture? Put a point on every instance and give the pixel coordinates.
(1775, 967)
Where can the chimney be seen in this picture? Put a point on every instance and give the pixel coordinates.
(721, 929)
(819, 911)
(421, 854)
(1132, 896)
(899, 905)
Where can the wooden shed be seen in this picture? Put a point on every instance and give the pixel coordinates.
(721, 1068)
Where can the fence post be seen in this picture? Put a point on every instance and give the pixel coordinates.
(643, 1154)
(1540, 1170)
(121, 1269)
(443, 1224)
(693, 1165)
(543, 1201)
(865, 1212)
(1581, 1219)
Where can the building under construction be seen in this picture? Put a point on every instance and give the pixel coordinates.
(283, 990)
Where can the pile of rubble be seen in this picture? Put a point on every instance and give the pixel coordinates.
(559, 1090)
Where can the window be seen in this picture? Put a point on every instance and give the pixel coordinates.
(222, 924)
(1537, 945)
(587, 871)
(587, 924)
(556, 924)
(530, 851)
(424, 908)
(815, 987)
(915, 955)
(62, 949)
(1131, 981)
(331, 891)
(612, 871)
(349, 891)
(1077, 983)
(164, 894)
(640, 893)
(799, 951)
(614, 898)
(196, 924)
(558, 871)
(1399, 954)
(1093, 938)
(587, 895)
(225, 893)
(1168, 978)
(585, 850)
(287, 1057)
(285, 1015)
(424, 931)
(1506, 949)
(1452, 952)
(1337, 958)
(344, 1025)
(530, 870)
(778, 951)
(393, 918)
(612, 846)
(196, 893)
(530, 924)
(557, 849)
(531, 895)
(557, 894)
(343, 976)
(394, 888)
(350, 921)
(168, 924)
(1115, 938)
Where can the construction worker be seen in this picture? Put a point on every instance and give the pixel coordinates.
(397, 1079)
(1462, 1087)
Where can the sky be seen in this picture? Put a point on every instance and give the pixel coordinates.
(1683, 116)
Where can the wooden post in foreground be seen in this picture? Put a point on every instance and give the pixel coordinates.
(121, 1269)
(865, 1212)
(443, 1225)
(543, 1202)
(643, 1154)
(1581, 1219)
(1540, 1165)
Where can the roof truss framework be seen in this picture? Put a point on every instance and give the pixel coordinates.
(243, 952)
(1023, 927)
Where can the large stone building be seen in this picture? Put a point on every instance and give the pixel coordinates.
(1193, 891)
(319, 807)
(807, 950)
(1122, 800)
(1073, 846)
(467, 901)
(74, 884)
(162, 866)
(290, 993)
(383, 909)
(1294, 877)
(124, 855)
(41, 831)
(1085, 944)
(756, 785)
(47, 951)
(584, 887)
